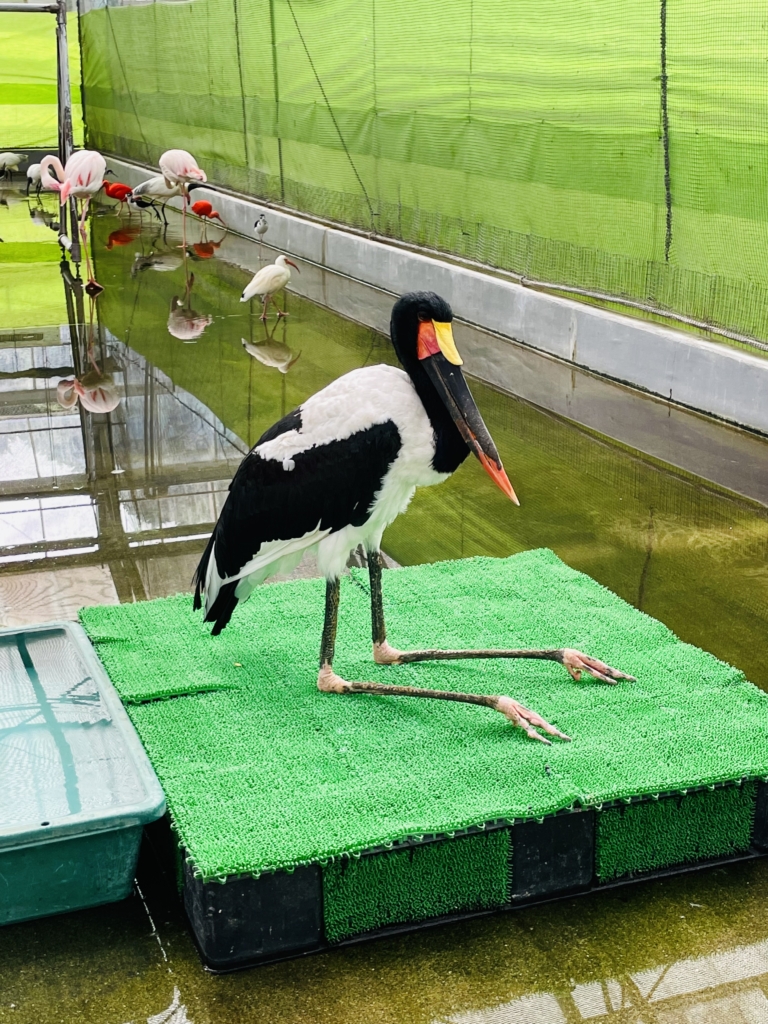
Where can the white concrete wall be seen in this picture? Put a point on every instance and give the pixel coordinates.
(706, 376)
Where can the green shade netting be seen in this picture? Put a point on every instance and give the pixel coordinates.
(265, 772)
(577, 142)
(29, 113)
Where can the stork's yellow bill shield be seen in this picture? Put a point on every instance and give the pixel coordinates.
(435, 337)
(444, 335)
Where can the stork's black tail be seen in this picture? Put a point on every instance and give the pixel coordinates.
(200, 574)
(221, 610)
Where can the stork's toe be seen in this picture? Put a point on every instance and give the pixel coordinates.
(527, 720)
(576, 663)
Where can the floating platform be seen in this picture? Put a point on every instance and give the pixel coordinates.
(76, 787)
(305, 820)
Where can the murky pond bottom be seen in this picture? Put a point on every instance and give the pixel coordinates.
(122, 424)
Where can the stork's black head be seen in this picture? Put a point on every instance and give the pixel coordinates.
(423, 339)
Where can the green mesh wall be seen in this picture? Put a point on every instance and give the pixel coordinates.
(28, 92)
(614, 145)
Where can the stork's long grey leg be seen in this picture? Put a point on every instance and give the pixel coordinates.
(328, 643)
(384, 654)
(329, 682)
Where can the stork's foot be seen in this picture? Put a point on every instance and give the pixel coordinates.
(576, 663)
(329, 682)
(385, 654)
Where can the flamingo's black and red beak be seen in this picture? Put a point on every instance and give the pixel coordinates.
(437, 352)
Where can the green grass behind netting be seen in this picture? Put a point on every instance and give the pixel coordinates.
(676, 830)
(264, 772)
(455, 875)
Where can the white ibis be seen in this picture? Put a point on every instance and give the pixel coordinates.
(9, 162)
(33, 178)
(81, 178)
(335, 472)
(179, 167)
(267, 282)
(157, 190)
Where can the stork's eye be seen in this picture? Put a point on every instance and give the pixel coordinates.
(424, 317)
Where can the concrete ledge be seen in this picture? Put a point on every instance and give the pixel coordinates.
(701, 375)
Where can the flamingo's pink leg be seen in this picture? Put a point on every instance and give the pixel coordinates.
(84, 236)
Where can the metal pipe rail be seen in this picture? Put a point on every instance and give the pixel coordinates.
(64, 90)
(34, 8)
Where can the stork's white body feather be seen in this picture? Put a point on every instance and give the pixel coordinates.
(353, 403)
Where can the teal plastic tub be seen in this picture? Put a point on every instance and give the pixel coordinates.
(76, 787)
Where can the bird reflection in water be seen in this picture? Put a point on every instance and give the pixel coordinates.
(204, 250)
(185, 323)
(96, 391)
(122, 236)
(93, 385)
(272, 352)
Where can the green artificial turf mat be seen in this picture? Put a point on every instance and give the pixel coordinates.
(265, 772)
(464, 874)
(675, 830)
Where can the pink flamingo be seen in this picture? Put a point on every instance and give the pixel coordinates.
(82, 178)
(180, 168)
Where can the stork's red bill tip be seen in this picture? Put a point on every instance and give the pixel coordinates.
(499, 477)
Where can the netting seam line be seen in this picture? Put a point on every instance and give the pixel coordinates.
(276, 89)
(242, 84)
(333, 116)
(80, 5)
(665, 131)
(127, 87)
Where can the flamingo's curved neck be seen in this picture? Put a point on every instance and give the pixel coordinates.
(46, 178)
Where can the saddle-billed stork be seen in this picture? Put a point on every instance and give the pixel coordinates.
(335, 472)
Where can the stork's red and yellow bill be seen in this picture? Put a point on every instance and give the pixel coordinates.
(440, 358)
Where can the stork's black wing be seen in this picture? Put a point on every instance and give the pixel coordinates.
(329, 486)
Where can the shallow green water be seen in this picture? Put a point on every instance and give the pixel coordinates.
(96, 508)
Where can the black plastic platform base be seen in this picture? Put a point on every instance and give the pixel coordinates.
(247, 921)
